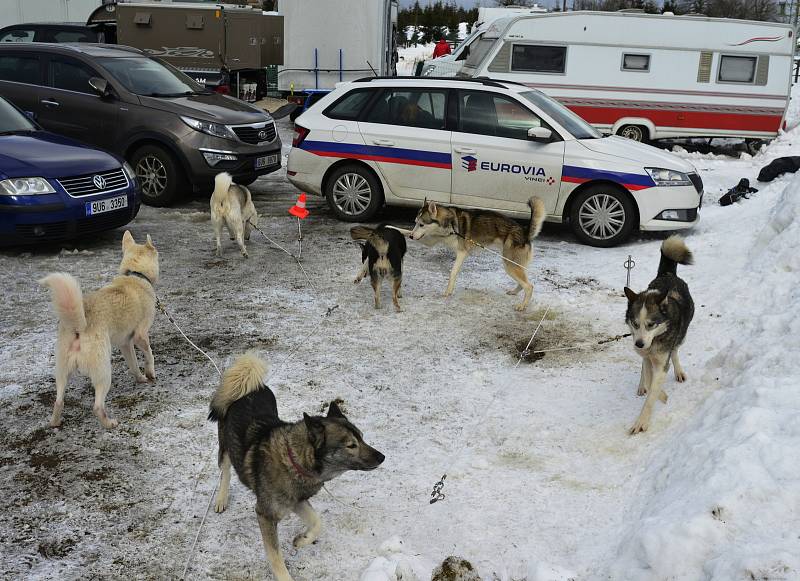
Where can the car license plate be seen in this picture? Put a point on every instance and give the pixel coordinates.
(107, 205)
(266, 161)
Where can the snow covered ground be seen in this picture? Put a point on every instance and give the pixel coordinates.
(543, 481)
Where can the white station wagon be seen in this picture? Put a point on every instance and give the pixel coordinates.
(480, 143)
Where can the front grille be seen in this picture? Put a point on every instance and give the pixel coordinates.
(87, 185)
(697, 182)
(51, 231)
(250, 133)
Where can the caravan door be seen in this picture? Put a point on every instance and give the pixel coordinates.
(494, 158)
(406, 135)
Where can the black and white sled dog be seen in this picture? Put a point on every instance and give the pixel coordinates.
(459, 228)
(381, 257)
(232, 207)
(658, 319)
(284, 464)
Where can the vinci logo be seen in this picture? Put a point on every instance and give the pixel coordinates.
(469, 163)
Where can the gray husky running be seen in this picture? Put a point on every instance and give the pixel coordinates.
(659, 318)
(461, 229)
(283, 463)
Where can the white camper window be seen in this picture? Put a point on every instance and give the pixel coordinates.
(636, 62)
(737, 69)
(539, 58)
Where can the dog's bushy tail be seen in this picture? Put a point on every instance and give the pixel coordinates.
(673, 253)
(223, 182)
(245, 376)
(67, 300)
(361, 232)
(538, 213)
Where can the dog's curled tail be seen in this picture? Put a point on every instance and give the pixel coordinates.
(673, 253)
(361, 232)
(245, 376)
(67, 300)
(538, 213)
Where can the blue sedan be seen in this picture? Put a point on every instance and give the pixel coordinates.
(53, 188)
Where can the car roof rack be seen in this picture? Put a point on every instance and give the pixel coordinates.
(486, 81)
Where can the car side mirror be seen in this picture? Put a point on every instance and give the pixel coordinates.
(539, 134)
(100, 86)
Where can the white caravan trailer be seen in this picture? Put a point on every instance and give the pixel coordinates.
(327, 42)
(648, 76)
(25, 11)
(449, 64)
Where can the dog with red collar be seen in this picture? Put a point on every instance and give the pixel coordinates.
(283, 463)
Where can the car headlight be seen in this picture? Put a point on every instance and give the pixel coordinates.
(25, 187)
(126, 167)
(209, 128)
(668, 177)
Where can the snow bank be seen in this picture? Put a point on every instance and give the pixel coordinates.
(721, 499)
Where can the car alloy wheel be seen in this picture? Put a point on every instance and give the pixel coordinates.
(152, 175)
(601, 217)
(352, 194)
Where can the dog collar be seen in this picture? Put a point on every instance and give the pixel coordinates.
(297, 468)
(139, 274)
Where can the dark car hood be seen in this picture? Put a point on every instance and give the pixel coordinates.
(42, 154)
(213, 107)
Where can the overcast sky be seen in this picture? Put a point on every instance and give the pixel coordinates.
(471, 3)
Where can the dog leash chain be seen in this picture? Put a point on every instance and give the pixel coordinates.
(296, 258)
(436, 493)
(481, 246)
(163, 309)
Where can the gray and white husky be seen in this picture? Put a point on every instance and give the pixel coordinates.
(462, 229)
(658, 319)
(283, 463)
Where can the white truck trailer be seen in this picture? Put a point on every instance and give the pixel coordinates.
(23, 11)
(327, 42)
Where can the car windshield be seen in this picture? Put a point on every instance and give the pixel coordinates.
(577, 127)
(12, 121)
(478, 49)
(150, 77)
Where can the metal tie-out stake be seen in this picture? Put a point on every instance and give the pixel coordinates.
(629, 265)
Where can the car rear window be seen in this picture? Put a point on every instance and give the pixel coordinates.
(421, 108)
(18, 35)
(350, 106)
(69, 36)
(21, 69)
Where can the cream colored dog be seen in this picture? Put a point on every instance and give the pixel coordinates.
(119, 314)
(232, 206)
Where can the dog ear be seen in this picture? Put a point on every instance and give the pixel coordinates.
(432, 208)
(632, 296)
(334, 411)
(127, 240)
(149, 242)
(316, 431)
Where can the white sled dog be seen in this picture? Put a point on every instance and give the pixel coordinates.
(232, 207)
(119, 314)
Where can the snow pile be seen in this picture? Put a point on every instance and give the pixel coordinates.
(395, 564)
(721, 499)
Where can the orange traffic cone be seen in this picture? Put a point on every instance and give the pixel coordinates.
(299, 209)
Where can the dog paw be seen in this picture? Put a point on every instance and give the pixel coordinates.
(109, 423)
(512, 292)
(640, 426)
(447, 293)
(303, 540)
(680, 376)
(141, 379)
(220, 505)
(357, 280)
(663, 396)
(55, 423)
(151, 377)
(641, 391)
(520, 307)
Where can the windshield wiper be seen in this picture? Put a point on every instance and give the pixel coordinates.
(184, 94)
(17, 131)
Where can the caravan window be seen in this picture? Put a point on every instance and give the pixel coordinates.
(636, 62)
(478, 51)
(539, 58)
(737, 69)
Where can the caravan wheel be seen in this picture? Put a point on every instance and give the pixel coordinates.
(633, 132)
